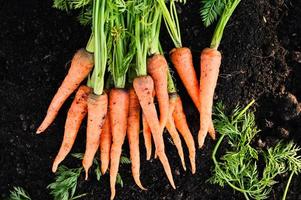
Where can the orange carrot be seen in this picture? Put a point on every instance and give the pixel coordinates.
(144, 86)
(210, 64)
(81, 66)
(147, 138)
(119, 108)
(105, 145)
(157, 68)
(76, 114)
(183, 63)
(133, 130)
(181, 124)
(97, 111)
(170, 125)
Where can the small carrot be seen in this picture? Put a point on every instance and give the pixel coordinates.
(119, 109)
(144, 86)
(105, 145)
(183, 63)
(181, 124)
(157, 69)
(97, 111)
(147, 134)
(210, 64)
(75, 116)
(81, 66)
(133, 130)
(170, 125)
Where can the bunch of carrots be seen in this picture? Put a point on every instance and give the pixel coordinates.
(125, 72)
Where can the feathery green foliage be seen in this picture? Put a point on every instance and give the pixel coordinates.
(18, 193)
(238, 166)
(85, 8)
(210, 10)
(65, 183)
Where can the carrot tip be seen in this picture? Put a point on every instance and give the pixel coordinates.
(103, 171)
(39, 131)
(86, 177)
(54, 167)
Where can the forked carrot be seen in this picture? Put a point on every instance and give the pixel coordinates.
(181, 124)
(97, 111)
(133, 130)
(75, 116)
(81, 66)
(144, 86)
(183, 63)
(157, 69)
(170, 125)
(210, 64)
(147, 134)
(119, 109)
(105, 145)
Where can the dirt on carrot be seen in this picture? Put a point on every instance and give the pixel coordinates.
(75, 116)
(97, 111)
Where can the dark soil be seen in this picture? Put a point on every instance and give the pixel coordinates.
(261, 59)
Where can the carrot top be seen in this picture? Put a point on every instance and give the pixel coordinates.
(171, 20)
(120, 45)
(211, 10)
(100, 14)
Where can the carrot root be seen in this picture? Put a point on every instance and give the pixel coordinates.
(133, 136)
(75, 116)
(147, 138)
(97, 111)
(119, 108)
(157, 68)
(183, 63)
(181, 124)
(210, 64)
(144, 87)
(81, 65)
(105, 145)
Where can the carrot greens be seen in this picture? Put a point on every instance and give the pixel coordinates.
(18, 193)
(211, 10)
(238, 167)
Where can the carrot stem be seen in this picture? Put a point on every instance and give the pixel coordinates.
(100, 51)
(219, 30)
(91, 44)
(170, 84)
(171, 21)
(287, 185)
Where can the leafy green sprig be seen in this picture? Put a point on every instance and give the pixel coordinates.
(84, 7)
(238, 167)
(18, 193)
(65, 184)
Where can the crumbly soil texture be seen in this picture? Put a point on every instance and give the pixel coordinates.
(261, 52)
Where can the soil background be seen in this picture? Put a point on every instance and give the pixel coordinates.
(261, 60)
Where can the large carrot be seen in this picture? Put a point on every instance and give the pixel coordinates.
(133, 130)
(75, 116)
(210, 64)
(119, 107)
(81, 66)
(144, 86)
(97, 111)
(105, 145)
(170, 125)
(147, 134)
(182, 61)
(157, 68)
(181, 124)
